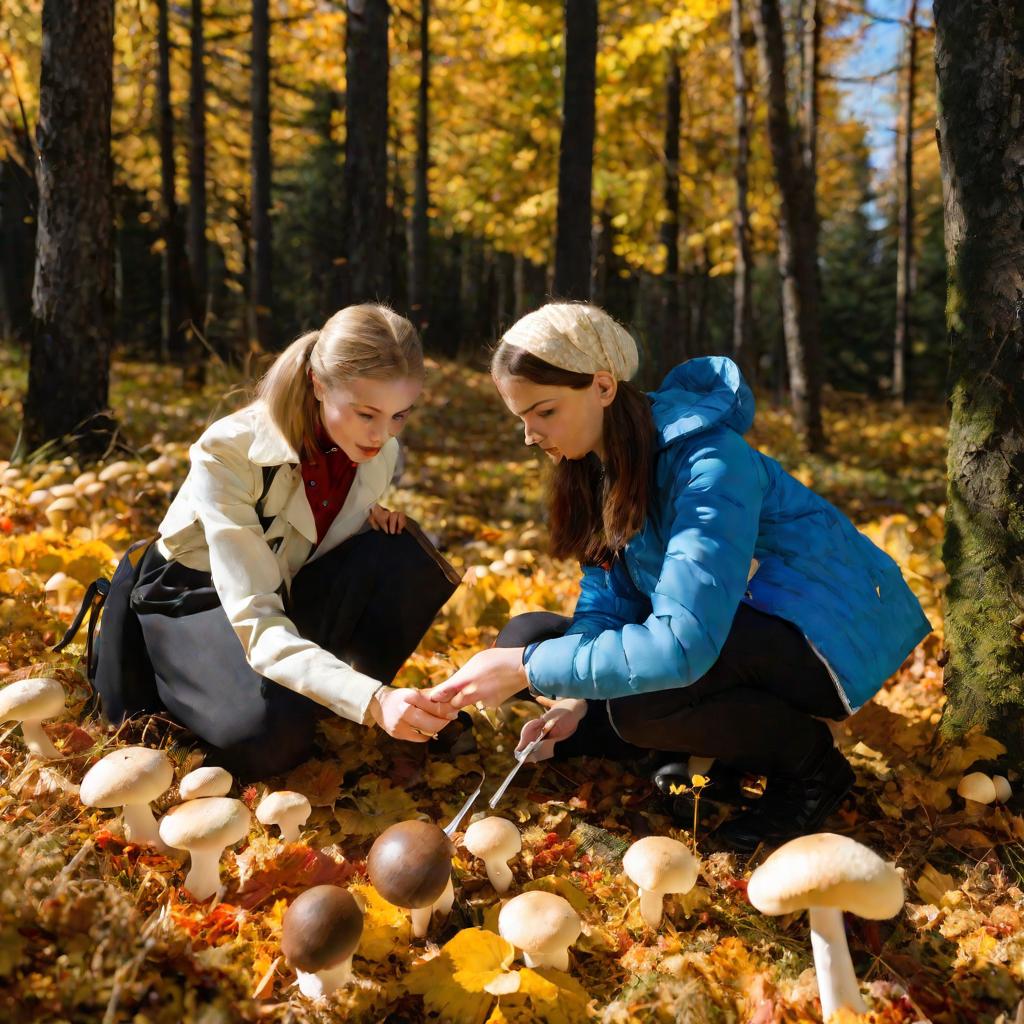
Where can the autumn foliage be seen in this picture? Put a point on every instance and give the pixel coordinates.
(93, 928)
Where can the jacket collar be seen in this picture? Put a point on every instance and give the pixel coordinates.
(269, 447)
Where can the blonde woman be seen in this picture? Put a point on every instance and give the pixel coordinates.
(279, 587)
(725, 609)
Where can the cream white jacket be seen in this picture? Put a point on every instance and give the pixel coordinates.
(212, 525)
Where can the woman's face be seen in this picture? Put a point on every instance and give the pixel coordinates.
(567, 423)
(362, 414)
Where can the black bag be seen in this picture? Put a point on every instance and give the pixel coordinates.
(120, 671)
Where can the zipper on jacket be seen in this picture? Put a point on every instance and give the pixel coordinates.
(835, 679)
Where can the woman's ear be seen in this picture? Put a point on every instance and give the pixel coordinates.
(318, 388)
(606, 387)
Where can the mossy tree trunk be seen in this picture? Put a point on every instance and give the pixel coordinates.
(979, 58)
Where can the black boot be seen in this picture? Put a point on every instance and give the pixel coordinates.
(792, 806)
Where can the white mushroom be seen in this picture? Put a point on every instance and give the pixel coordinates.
(205, 827)
(29, 701)
(659, 866)
(285, 809)
(542, 925)
(130, 777)
(977, 786)
(202, 782)
(495, 841)
(1002, 787)
(826, 874)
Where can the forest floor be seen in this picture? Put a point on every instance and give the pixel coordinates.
(95, 929)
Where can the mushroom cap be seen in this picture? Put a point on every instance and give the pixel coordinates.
(661, 864)
(127, 775)
(211, 822)
(31, 698)
(410, 863)
(826, 870)
(534, 920)
(977, 786)
(208, 781)
(284, 801)
(321, 928)
(1002, 787)
(493, 837)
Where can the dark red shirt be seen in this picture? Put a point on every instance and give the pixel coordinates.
(327, 478)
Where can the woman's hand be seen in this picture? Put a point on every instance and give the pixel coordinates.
(409, 714)
(488, 678)
(385, 519)
(566, 715)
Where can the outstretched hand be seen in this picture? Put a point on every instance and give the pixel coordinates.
(561, 720)
(489, 678)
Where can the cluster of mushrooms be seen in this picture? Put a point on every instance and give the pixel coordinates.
(410, 864)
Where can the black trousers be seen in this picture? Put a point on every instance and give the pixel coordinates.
(368, 601)
(758, 707)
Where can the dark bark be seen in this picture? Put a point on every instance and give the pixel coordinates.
(366, 143)
(576, 152)
(742, 317)
(603, 236)
(671, 331)
(18, 206)
(905, 245)
(419, 282)
(810, 86)
(174, 266)
(979, 57)
(197, 251)
(73, 292)
(261, 324)
(797, 233)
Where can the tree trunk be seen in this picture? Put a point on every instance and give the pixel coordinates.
(603, 237)
(905, 246)
(261, 298)
(18, 206)
(576, 152)
(174, 312)
(366, 149)
(810, 63)
(742, 316)
(419, 282)
(669, 231)
(197, 251)
(519, 286)
(797, 234)
(979, 58)
(73, 292)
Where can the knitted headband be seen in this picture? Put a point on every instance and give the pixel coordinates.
(576, 337)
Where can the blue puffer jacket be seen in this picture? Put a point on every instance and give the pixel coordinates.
(660, 616)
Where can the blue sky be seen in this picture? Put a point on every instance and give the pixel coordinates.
(874, 103)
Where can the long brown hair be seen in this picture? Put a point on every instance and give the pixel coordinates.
(368, 340)
(594, 509)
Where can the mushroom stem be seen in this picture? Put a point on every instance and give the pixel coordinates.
(36, 739)
(499, 873)
(325, 982)
(552, 956)
(651, 907)
(420, 920)
(289, 830)
(140, 826)
(203, 878)
(443, 904)
(837, 982)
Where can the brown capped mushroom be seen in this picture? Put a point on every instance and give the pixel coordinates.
(410, 865)
(319, 935)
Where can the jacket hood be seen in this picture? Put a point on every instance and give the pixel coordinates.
(699, 394)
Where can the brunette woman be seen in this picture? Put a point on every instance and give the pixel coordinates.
(725, 611)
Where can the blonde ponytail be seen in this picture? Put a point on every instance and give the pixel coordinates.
(368, 340)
